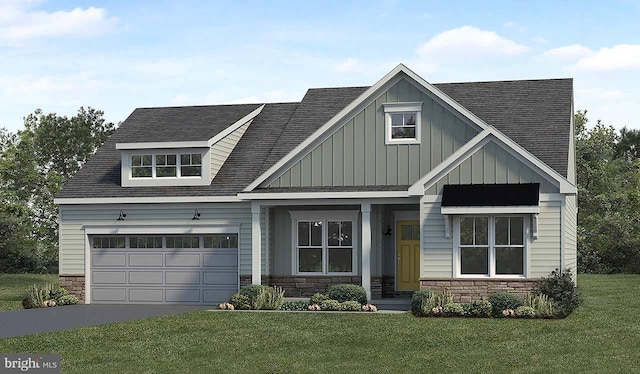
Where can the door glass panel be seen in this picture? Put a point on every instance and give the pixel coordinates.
(415, 232)
(405, 232)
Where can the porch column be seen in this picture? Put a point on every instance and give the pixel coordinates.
(256, 244)
(366, 248)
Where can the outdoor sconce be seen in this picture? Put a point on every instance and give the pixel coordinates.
(122, 216)
(196, 216)
(389, 231)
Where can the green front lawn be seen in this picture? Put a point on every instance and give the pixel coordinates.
(603, 335)
(14, 286)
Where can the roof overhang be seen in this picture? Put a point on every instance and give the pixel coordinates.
(491, 198)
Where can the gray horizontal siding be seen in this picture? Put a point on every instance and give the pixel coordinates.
(437, 250)
(73, 218)
(570, 226)
(544, 252)
(223, 148)
(356, 154)
(492, 164)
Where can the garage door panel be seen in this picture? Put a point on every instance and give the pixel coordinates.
(191, 295)
(182, 277)
(162, 275)
(106, 260)
(226, 258)
(182, 260)
(146, 260)
(145, 277)
(109, 294)
(216, 296)
(226, 277)
(109, 277)
(145, 295)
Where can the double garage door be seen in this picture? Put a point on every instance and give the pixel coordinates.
(179, 269)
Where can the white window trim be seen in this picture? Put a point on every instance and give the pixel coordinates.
(402, 108)
(127, 179)
(324, 215)
(492, 274)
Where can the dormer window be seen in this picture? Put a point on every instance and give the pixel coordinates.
(402, 122)
(166, 167)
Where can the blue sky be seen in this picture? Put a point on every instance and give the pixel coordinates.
(119, 55)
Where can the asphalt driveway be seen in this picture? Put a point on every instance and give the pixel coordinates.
(35, 321)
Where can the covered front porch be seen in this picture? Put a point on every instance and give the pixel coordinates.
(306, 246)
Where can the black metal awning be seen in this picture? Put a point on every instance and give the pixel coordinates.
(491, 195)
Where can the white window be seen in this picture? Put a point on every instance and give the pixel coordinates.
(490, 246)
(324, 242)
(163, 165)
(403, 123)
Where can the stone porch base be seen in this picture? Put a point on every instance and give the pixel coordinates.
(468, 290)
(73, 283)
(306, 286)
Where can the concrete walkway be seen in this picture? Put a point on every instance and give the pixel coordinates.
(35, 321)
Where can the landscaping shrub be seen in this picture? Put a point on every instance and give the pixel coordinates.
(48, 295)
(269, 298)
(503, 300)
(67, 300)
(427, 302)
(525, 312)
(542, 305)
(332, 305)
(560, 287)
(347, 292)
(453, 309)
(240, 302)
(467, 309)
(351, 306)
(480, 308)
(252, 291)
(299, 305)
(318, 298)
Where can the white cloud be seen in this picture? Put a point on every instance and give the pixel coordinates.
(347, 66)
(469, 41)
(600, 93)
(569, 52)
(21, 22)
(539, 40)
(514, 26)
(618, 57)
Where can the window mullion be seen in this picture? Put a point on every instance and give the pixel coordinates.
(325, 243)
(492, 246)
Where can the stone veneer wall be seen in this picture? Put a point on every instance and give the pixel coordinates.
(74, 284)
(306, 286)
(467, 290)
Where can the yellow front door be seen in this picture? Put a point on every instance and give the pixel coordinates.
(408, 255)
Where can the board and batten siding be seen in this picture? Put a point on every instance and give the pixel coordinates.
(570, 225)
(73, 218)
(544, 252)
(221, 150)
(492, 164)
(356, 154)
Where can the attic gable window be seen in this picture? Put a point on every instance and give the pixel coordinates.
(402, 122)
(166, 165)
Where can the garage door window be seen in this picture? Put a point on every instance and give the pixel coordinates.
(145, 242)
(221, 241)
(183, 242)
(109, 242)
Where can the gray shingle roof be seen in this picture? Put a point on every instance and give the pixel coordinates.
(534, 113)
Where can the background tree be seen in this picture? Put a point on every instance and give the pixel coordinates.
(608, 198)
(36, 162)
